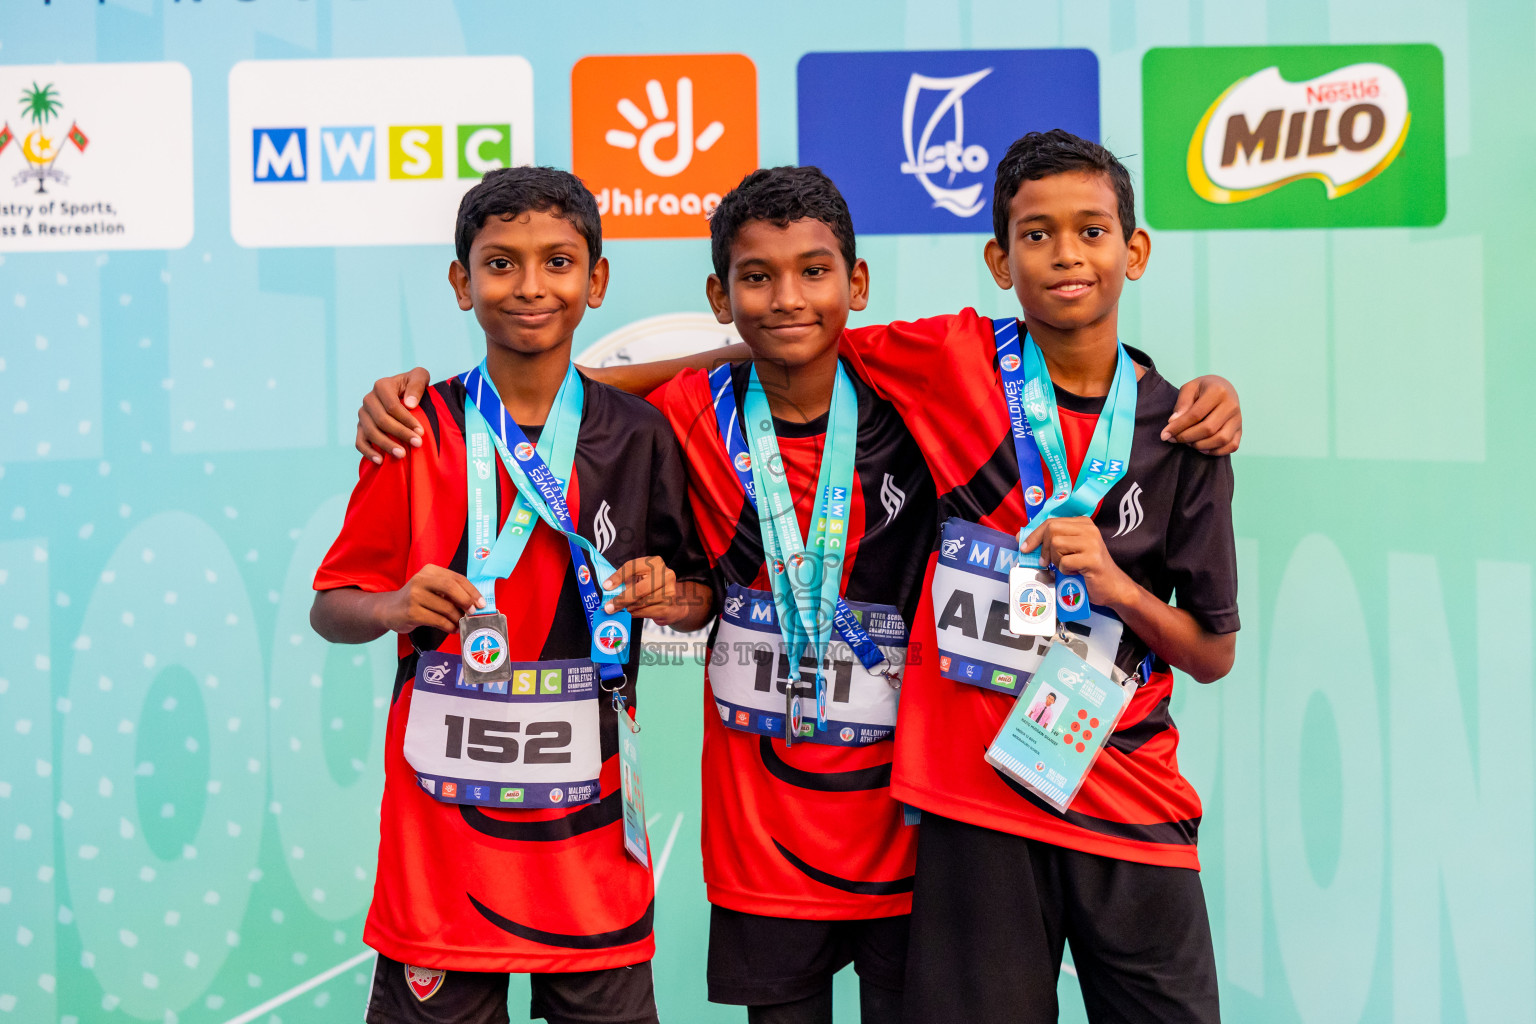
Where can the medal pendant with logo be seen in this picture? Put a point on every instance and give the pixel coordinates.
(483, 642)
(1031, 602)
(610, 638)
(1071, 598)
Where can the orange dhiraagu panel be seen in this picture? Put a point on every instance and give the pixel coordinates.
(659, 139)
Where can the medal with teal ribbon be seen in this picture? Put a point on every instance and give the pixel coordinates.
(541, 474)
(805, 574)
(1037, 436)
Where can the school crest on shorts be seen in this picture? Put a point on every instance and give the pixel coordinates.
(423, 981)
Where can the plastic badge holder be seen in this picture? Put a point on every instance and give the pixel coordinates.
(1051, 738)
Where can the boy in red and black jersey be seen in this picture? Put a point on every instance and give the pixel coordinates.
(470, 887)
(1004, 879)
(807, 859)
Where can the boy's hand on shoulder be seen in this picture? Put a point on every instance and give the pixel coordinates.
(1207, 416)
(1075, 545)
(384, 422)
(435, 597)
(651, 591)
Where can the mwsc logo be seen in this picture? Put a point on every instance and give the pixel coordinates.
(1294, 136)
(347, 153)
(369, 151)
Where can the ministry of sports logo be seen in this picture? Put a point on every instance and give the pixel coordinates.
(42, 146)
(95, 156)
(1130, 510)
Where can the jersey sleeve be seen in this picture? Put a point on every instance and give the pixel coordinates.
(900, 360)
(670, 529)
(1201, 552)
(373, 549)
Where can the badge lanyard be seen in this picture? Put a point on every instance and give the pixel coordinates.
(541, 492)
(847, 624)
(1032, 412)
(805, 575)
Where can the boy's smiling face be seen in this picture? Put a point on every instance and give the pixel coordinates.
(789, 290)
(529, 281)
(1068, 258)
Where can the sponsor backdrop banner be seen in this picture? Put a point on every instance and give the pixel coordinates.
(219, 222)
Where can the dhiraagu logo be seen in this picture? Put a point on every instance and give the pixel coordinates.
(1294, 136)
(318, 147)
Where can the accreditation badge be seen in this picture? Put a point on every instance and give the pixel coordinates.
(1051, 738)
(636, 843)
(483, 639)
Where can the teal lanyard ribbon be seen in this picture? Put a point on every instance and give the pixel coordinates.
(1032, 410)
(541, 473)
(806, 575)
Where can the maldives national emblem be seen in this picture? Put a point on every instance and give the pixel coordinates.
(42, 146)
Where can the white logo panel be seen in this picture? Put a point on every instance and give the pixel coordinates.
(95, 156)
(371, 151)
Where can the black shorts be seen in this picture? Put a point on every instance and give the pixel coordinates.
(762, 961)
(991, 912)
(618, 995)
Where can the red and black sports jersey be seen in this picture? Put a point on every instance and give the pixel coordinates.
(1167, 524)
(806, 831)
(485, 889)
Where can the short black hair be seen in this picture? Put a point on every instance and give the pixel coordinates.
(508, 192)
(1042, 154)
(780, 195)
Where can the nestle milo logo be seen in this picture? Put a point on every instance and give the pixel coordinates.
(1263, 133)
(1294, 136)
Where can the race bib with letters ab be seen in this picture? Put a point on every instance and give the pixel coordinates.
(971, 607)
(531, 740)
(750, 673)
